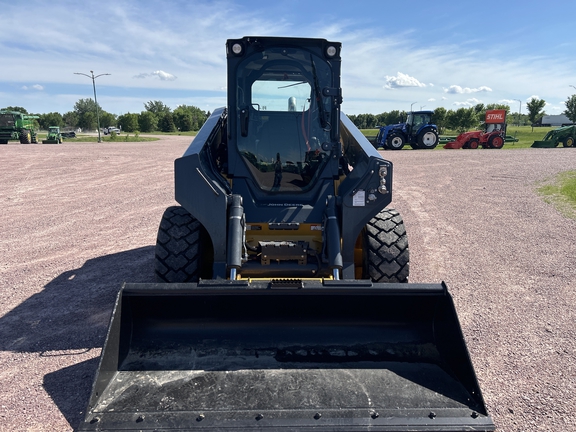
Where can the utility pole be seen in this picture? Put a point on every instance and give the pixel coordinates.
(93, 78)
(519, 111)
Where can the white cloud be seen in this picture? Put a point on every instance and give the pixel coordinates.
(533, 97)
(34, 87)
(456, 89)
(402, 80)
(468, 103)
(164, 76)
(431, 100)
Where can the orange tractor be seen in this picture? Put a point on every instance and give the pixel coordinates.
(492, 137)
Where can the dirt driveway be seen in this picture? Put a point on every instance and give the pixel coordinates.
(78, 219)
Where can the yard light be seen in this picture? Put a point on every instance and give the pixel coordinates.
(93, 78)
(519, 111)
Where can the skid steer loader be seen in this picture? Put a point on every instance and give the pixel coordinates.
(282, 301)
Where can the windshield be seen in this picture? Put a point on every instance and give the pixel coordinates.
(283, 117)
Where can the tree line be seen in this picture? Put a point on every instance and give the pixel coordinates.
(155, 117)
(464, 119)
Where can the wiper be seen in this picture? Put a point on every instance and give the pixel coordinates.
(318, 96)
(294, 84)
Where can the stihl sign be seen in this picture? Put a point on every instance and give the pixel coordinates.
(496, 116)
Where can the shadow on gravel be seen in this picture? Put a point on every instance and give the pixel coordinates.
(70, 389)
(71, 314)
(73, 310)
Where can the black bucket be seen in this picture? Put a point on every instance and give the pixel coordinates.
(339, 355)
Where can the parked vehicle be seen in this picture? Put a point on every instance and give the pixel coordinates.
(54, 136)
(493, 136)
(418, 131)
(109, 130)
(565, 135)
(17, 126)
(282, 301)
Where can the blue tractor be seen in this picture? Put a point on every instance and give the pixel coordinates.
(418, 131)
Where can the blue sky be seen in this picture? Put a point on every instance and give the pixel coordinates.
(395, 54)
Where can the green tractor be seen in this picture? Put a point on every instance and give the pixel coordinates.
(15, 125)
(54, 136)
(565, 135)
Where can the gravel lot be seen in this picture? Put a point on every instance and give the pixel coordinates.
(78, 219)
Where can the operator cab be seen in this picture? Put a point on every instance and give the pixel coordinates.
(284, 119)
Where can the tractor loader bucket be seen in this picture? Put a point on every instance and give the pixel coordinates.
(545, 144)
(453, 145)
(285, 355)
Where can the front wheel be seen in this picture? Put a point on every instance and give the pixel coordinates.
(385, 252)
(25, 136)
(568, 142)
(395, 142)
(473, 143)
(183, 248)
(428, 139)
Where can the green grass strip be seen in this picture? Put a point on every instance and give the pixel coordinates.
(560, 191)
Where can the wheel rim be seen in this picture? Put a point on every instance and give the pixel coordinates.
(473, 144)
(497, 142)
(429, 139)
(396, 142)
(569, 142)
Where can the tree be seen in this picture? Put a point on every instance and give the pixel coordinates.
(462, 119)
(571, 108)
(147, 121)
(439, 118)
(157, 107)
(535, 107)
(107, 119)
(70, 119)
(50, 119)
(128, 122)
(16, 108)
(166, 123)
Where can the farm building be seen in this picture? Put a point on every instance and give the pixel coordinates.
(553, 120)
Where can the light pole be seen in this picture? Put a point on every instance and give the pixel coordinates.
(412, 105)
(520, 111)
(93, 78)
(570, 85)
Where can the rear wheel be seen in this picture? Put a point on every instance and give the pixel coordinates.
(386, 257)
(428, 139)
(496, 142)
(395, 142)
(183, 248)
(568, 142)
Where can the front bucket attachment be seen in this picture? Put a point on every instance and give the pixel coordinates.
(545, 144)
(233, 355)
(453, 145)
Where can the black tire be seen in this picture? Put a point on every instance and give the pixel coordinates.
(473, 143)
(568, 142)
(395, 142)
(385, 248)
(427, 138)
(25, 136)
(183, 248)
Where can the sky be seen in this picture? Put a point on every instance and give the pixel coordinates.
(396, 55)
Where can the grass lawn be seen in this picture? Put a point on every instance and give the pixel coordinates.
(526, 136)
(560, 191)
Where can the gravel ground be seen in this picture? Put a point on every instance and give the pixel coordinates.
(78, 219)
